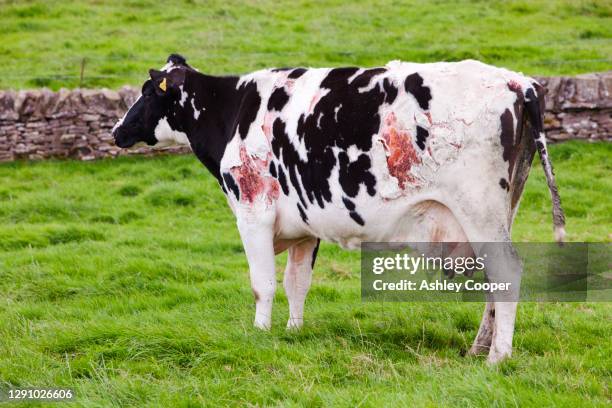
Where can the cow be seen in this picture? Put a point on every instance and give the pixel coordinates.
(407, 152)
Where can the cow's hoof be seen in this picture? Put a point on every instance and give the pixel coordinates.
(496, 356)
(262, 325)
(294, 324)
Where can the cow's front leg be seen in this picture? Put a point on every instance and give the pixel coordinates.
(257, 233)
(298, 276)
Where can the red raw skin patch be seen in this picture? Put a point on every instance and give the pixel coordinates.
(514, 86)
(315, 99)
(272, 190)
(401, 155)
(269, 119)
(252, 181)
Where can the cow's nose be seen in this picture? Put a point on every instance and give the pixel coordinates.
(115, 135)
(115, 128)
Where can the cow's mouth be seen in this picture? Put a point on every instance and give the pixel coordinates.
(131, 142)
(126, 139)
(125, 143)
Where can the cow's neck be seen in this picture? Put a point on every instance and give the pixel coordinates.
(211, 126)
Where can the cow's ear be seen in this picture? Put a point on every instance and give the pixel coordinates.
(167, 82)
(160, 81)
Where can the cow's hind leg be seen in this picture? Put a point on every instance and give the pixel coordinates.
(504, 267)
(501, 261)
(482, 342)
(497, 327)
(298, 276)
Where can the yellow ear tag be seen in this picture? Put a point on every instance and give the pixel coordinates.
(162, 85)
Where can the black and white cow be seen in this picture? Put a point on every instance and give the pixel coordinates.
(405, 153)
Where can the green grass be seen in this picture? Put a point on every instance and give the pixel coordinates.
(42, 43)
(126, 280)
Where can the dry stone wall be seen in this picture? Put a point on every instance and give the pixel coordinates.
(578, 107)
(39, 124)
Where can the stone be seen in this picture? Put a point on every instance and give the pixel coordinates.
(37, 124)
(67, 138)
(89, 117)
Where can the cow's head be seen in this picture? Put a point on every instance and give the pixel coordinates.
(147, 120)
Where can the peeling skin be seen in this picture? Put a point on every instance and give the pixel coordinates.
(251, 179)
(289, 85)
(432, 156)
(401, 155)
(273, 190)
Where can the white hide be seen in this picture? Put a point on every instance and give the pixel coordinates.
(196, 112)
(184, 96)
(166, 136)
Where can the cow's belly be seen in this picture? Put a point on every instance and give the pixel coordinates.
(382, 221)
(430, 213)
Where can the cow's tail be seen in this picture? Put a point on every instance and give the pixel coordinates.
(534, 104)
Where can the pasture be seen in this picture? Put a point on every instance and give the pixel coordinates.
(126, 280)
(44, 43)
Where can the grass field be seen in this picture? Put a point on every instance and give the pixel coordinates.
(42, 43)
(126, 280)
